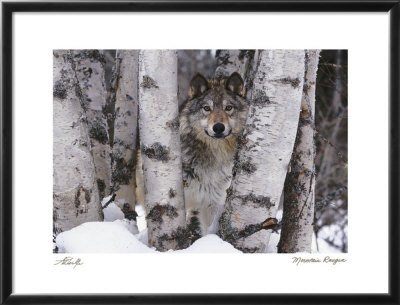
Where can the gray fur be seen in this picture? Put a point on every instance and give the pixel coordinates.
(207, 161)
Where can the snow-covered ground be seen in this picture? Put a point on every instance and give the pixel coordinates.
(119, 235)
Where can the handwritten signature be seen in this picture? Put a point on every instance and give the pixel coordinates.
(69, 261)
(300, 260)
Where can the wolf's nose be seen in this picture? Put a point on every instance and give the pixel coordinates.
(219, 128)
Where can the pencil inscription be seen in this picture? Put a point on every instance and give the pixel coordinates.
(69, 261)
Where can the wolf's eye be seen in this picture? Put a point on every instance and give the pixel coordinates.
(206, 108)
(228, 108)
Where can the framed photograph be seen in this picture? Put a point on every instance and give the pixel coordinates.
(200, 151)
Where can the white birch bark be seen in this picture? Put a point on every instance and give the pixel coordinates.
(160, 148)
(75, 193)
(264, 149)
(89, 68)
(229, 61)
(125, 127)
(299, 195)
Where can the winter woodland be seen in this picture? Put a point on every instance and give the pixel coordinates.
(117, 154)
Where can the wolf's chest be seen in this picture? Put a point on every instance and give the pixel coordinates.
(209, 184)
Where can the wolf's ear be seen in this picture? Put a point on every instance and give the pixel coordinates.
(198, 85)
(235, 84)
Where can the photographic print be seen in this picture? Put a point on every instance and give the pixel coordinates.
(200, 151)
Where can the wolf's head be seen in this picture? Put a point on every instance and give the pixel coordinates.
(216, 109)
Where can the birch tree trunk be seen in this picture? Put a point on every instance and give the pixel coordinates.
(160, 147)
(75, 193)
(89, 67)
(299, 196)
(229, 61)
(264, 149)
(125, 127)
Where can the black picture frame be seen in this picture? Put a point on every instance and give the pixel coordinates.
(8, 8)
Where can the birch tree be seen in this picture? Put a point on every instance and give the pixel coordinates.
(264, 150)
(299, 195)
(75, 193)
(160, 148)
(125, 127)
(89, 68)
(229, 61)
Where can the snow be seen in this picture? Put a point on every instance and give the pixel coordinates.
(332, 233)
(122, 236)
(143, 237)
(101, 237)
(323, 246)
(273, 243)
(141, 218)
(210, 243)
(119, 235)
(112, 212)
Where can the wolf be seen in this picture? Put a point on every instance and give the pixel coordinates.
(210, 122)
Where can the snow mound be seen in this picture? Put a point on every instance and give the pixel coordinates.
(118, 237)
(102, 237)
(210, 243)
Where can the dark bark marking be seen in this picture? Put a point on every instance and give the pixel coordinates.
(122, 171)
(181, 237)
(93, 55)
(246, 54)
(79, 94)
(223, 59)
(98, 132)
(128, 212)
(158, 211)
(109, 109)
(245, 166)
(156, 152)
(148, 82)
(171, 193)
(102, 188)
(260, 98)
(78, 200)
(295, 82)
(60, 90)
(261, 201)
